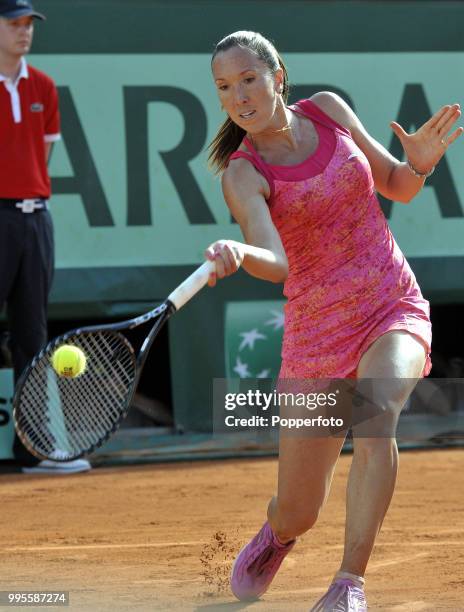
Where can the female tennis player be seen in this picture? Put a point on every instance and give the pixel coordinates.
(301, 181)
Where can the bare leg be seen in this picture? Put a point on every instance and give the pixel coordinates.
(306, 467)
(398, 358)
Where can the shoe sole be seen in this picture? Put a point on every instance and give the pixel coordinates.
(54, 471)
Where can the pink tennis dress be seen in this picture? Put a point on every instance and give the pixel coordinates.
(348, 280)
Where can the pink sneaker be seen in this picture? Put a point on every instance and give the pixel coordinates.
(257, 564)
(343, 596)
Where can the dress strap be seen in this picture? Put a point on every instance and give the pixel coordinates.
(313, 111)
(257, 162)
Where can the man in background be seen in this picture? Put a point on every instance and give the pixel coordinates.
(29, 124)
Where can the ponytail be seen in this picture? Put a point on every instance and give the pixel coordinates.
(226, 142)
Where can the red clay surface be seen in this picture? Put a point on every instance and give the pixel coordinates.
(162, 537)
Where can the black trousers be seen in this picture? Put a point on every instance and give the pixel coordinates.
(26, 273)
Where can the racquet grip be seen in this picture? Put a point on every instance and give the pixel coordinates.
(192, 285)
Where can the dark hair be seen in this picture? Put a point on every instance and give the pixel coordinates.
(230, 135)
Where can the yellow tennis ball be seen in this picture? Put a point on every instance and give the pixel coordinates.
(68, 361)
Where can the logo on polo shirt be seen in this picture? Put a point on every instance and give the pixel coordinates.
(37, 107)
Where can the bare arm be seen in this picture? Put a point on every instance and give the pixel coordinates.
(392, 178)
(262, 254)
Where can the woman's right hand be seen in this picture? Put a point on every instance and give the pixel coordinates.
(228, 256)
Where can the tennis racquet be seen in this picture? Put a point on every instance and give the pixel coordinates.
(63, 418)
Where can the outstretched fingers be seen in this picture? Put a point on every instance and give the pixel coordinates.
(438, 116)
(451, 116)
(450, 139)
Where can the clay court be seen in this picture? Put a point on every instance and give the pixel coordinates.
(163, 536)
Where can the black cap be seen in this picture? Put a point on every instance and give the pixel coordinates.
(11, 9)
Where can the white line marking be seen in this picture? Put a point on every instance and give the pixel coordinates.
(65, 547)
(374, 566)
(70, 547)
(167, 580)
(413, 606)
(311, 591)
(408, 544)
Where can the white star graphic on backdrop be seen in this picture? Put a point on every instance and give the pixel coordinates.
(277, 321)
(242, 369)
(249, 338)
(263, 374)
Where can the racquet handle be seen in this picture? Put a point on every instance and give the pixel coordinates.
(192, 285)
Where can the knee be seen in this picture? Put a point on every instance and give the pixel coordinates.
(289, 522)
(378, 420)
(390, 408)
(289, 527)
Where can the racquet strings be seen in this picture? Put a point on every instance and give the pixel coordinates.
(62, 417)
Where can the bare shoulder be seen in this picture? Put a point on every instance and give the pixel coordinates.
(241, 181)
(337, 109)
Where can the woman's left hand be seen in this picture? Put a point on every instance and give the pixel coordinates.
(426, 147)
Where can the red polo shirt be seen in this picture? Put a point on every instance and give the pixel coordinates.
(29, 118)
